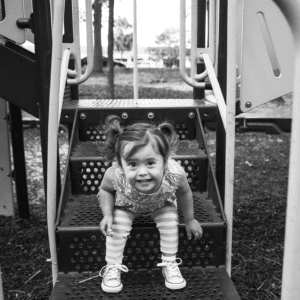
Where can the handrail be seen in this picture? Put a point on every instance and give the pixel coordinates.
(190, 81)
(64, 72)
(216, 87)
(291, 259)
(53, 123)
(75, 50)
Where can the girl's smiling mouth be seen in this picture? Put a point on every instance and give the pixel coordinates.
(144, 180)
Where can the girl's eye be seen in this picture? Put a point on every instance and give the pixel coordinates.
(132, 164)
(151, 163)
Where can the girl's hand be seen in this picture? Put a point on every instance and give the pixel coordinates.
(194, 228)
(106, 225)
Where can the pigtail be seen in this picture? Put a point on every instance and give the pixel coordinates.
(112, 129)
(170, 134)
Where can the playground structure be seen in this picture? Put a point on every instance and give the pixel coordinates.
(73, 214)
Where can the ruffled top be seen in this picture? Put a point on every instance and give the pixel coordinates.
(130, 199)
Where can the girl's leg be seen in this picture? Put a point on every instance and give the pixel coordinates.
(166, 219)
(115, 245)
(121, 228)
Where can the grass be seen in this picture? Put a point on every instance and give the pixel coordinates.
(260, 189)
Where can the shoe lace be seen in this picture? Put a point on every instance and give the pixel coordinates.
(110, 270)
(172, 266)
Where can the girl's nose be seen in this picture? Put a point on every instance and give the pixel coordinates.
(142, 171)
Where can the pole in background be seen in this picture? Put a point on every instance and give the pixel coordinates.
(1, 287)
(135, 53)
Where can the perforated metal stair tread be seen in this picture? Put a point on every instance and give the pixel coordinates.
(84, 211)
(89, 150)
(134, 104)
(207, 283)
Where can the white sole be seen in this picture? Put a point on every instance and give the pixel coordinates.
(175, 286)
(108, 289)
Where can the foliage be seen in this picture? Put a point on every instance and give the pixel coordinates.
(123, 36)
(168, 38)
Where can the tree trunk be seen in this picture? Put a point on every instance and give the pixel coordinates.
(98, 59)
(111, 48)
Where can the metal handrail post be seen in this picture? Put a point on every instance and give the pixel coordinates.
(75, 49)
(57, 30)
(135, 53)
(230, 127)
(1, 286)
(182, 56)
(291, 259)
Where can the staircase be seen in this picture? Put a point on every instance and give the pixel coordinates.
(81, 246)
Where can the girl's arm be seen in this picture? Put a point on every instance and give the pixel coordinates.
(186, 201)
(106, 197)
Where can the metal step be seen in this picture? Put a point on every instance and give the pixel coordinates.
(81, 246)
(208, 283)
(88, 167)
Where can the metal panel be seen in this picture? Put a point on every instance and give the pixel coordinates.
(6, 187)
(18, 79)
(14, 10)
(268, 52)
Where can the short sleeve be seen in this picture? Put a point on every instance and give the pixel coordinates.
(107, 183)
(175, 173)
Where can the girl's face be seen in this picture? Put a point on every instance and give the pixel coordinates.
(144, 170)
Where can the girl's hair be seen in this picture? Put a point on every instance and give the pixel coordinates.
(163, 137)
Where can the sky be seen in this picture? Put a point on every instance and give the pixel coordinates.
(153, 17)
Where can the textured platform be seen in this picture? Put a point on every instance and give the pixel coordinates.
(81, 246)
(212, 284)
(84, 211)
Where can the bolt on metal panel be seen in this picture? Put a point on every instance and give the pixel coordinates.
(267, 54)
(6, 186)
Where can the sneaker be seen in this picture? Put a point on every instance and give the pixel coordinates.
(111, 274)
(171, 272)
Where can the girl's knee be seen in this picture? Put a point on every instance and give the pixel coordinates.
(169, 210)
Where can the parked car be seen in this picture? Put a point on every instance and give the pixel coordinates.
(105, 62)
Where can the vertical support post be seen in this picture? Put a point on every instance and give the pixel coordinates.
(201, 38)
(291, 259)
(1, 286)
(6, 187)
(230, 127)
(135, 53)
(222, 76)
(43, 49)
(19, 160)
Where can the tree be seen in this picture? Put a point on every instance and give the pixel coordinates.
(111, 48)
(168, 47)
(98, 55)
(169, 38)
(123, 35)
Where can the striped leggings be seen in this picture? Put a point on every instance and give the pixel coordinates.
(166, 219)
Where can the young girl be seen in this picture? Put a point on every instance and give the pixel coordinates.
(143, 179)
